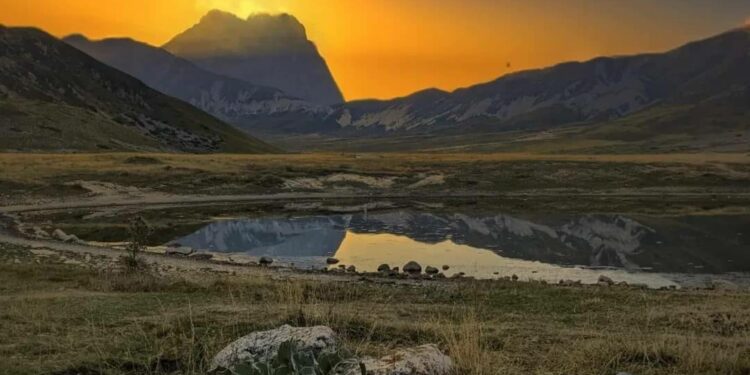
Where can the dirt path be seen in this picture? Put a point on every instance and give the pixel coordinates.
(160, 200)
(177, 264)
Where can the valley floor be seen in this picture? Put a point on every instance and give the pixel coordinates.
(69, 309)
(70, 313)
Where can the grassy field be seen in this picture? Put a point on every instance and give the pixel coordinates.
(30, 176)
(67, 319)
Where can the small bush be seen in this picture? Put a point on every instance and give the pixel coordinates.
(139, 232)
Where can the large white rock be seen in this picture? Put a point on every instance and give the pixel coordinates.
(422, 360)
(263, 346)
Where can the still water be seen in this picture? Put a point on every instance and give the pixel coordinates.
(657, 251)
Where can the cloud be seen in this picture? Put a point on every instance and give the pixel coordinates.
(241, 8)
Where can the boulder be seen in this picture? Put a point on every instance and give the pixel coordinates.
(446, 267)
(263, 346)
(179, 251)
(266, 261)
(431, 270)
(606, 280)
(58, 234)
(332, 261)
(514, 277)
(39, 232)
(422, 360)
(351, 269)
(384, 268)
(412, 267)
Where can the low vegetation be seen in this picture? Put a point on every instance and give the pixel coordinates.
(60, 318)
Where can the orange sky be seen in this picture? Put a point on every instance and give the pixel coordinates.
(388, 48)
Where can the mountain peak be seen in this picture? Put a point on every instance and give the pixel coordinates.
(264, 49)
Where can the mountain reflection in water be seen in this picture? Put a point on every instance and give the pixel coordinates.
(690, 244)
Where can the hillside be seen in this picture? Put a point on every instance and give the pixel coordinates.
(229, 99)
(54, 97)
(692, 98)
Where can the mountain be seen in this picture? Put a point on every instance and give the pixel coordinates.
(55, 97)
(268, 50)
(229, 99)
(598, 90)
(694, 97)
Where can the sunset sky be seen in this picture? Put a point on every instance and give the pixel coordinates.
(388, 48)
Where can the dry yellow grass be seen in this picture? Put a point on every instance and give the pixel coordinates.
(62, 318)
(32, 166)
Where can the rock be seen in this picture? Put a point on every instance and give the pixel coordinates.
(395, 269)
(446, 267)
(422, 360)
(332, 261)
(605, 280)
(514, 277)
(266, 261)
(431, 270)
(39, 232)
(351, 269)
(201, 256)
(72, 238)
(412, 267)
(262, 346)
(58, 234)
(384, 268)
(179, 251)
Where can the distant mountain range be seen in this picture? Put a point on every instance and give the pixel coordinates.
(702, 88)
(263, 49)
(266, 78)
(228, 98)
(54, 97)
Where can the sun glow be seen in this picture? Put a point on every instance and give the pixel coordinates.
(388, 48)
(242, 8)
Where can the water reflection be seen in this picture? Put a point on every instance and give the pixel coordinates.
(481, 245)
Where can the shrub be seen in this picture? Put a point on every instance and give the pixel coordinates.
(139, 231)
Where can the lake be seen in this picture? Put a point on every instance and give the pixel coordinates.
(651, 250)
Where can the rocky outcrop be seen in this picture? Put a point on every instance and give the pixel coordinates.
(262, 346)
(268, 50)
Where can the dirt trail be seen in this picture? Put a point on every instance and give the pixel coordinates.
(175, 263)
(160, 200)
